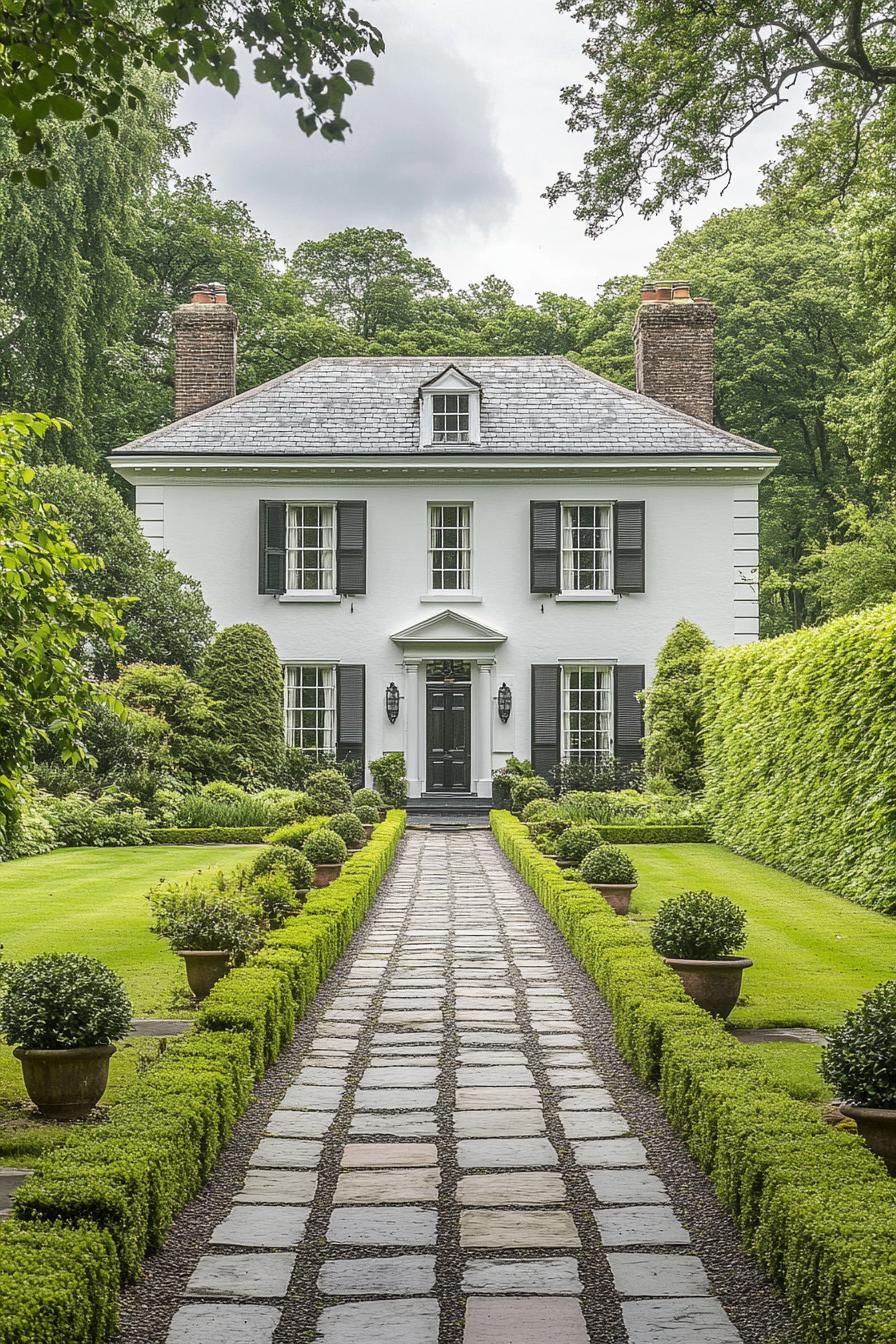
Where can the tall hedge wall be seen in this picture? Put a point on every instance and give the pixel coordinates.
(801, 753)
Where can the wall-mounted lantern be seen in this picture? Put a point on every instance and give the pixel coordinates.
(505, 702)
(393, 700)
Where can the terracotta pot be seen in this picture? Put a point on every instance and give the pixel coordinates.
(66, 1084)
(325, 873)
(878, 1128)
(205, 969)
(368, 829)
(714, 985)
(618, 895)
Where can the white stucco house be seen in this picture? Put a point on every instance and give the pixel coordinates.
(459, 559)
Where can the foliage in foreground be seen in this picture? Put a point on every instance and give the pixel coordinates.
(800, 767)
(815, 1206)
(44, 621)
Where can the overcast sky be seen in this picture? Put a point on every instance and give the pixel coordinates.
(453, 145)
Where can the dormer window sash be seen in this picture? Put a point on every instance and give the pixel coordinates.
(451, 417)
(449, 409)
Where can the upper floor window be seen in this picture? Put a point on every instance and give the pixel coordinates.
(587, 724)
(451, 417)
(309, 703)
(449, 409)
(450, 548)
(586, 548)
(311, 548)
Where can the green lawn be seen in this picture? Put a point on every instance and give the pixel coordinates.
(814, 953)
(94, 901)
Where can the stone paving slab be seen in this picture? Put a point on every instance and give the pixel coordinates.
(414, 1321)
(220, 1323)
(559, 1274)
(524, 1320)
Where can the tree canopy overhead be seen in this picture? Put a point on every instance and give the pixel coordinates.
(674, 86)
(74, 60)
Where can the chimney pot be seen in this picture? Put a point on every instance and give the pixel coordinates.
(205, 332)
(681, 292)
(648, 293)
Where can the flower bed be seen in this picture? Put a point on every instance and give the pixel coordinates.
(812, 1204)
(105, 1199)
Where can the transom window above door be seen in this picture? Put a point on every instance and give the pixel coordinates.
(587, 548)
(451, 417)
(311, 548)
(309, 704)
(587, 722)
(450, 548)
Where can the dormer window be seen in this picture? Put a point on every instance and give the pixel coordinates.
(449, 409)
(451, 417)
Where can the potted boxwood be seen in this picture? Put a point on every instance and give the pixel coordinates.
(613, 874)
(327, 851)
(349, 827)
(294, 863)
(368, 817)
(859, 1061)
(63, 1012)
(328, 792)
(211, 929)
(696, 933)
(576, 841)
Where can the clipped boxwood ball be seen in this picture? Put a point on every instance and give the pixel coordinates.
(349, 827)
(328, 792)
(367, 798)
(368, 816)
(298, 868)
(526, 788)
(578, 840)
(293, 835)
(699, 926)
(60, 1001)
(859, 1060)
(540, 809)
(325, 846)
(606, 865)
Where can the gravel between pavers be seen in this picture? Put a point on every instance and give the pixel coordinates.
(753, 1306)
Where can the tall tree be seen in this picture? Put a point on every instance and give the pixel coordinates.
(366, 279)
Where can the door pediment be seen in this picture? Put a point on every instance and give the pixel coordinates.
(448, 631)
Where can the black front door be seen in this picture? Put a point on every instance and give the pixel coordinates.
(447, 739)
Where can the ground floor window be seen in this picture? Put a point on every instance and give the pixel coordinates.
(587, 713)
(310, 707)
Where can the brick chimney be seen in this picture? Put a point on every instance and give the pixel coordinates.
(204, 350)
(674, 348)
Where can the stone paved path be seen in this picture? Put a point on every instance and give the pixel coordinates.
(448, 1164)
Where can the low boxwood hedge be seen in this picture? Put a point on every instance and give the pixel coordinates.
(813, 1204)
(655, 833)
(102, 1201)
(209, 835)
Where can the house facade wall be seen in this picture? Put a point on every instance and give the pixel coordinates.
(700, 563)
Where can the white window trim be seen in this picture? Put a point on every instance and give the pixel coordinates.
(455, 594)
(566, 666)
(586, 594)
(330, 745)
(312, 594)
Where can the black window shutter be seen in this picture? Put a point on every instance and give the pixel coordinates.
(628, 546)
(271, 546)
(628, 716)
(544, 546)
(351, 546)
(545, 744)
(350, 716)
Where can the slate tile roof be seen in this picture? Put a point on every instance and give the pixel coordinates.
(530, 404)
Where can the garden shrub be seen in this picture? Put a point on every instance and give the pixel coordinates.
(577, 841)
(607, 865)
(812, 1203)
(698, 925)
(241, 671)
(296, 833)
(389, 773)
(292, 861)
(673, 710)
(212, 806)
(368, 816)
(349, 826)
(61, 1000)
(325, 846)
(859, 1060)
(541, 809)
(297, 766)
(656, 834)
(502, 779)
(328, 792)
(274, 893)
(105, 1199)
(597, 776)
(367, 798)
(525, 788)
(79, 819)
(31, 831)
(203, 915)
(800, 766)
